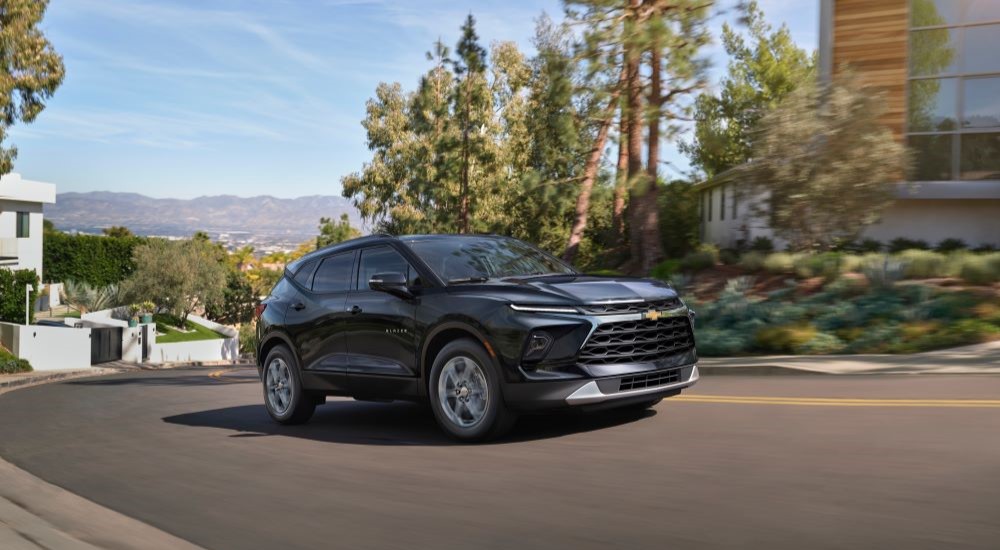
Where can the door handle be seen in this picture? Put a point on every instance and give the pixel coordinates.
(355, 310)
(298, 306)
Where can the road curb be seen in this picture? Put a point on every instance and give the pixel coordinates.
(45, 378)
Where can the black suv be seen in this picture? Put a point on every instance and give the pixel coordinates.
(484, 327)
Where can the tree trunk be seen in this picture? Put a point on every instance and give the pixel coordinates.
(463, 204)
(636, 176)
(621, 181)
(652, 250)
(589, 175)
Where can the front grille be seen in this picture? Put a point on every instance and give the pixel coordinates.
(650, 380)
(637, 341)
(630, 307)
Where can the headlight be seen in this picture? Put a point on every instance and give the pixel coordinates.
(544, 309)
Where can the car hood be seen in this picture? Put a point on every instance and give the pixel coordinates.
(590, 289)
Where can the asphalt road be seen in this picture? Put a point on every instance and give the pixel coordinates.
(739, 462)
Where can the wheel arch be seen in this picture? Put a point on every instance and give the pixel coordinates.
(270, 342)
(440, 336)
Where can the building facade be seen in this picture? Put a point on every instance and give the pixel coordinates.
(21, 221)
(937, 66)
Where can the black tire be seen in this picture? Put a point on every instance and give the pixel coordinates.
(301, 404)
(496, 419)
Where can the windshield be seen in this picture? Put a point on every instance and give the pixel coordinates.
(478, 258)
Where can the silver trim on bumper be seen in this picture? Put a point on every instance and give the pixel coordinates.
(591, 393)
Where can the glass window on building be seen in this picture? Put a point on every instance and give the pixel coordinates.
(722, 203)
(23, 225)
(953, 100)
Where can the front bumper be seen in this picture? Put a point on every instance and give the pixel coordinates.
(593, 393)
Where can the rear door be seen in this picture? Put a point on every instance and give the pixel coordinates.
(382, 339)
(316, 317)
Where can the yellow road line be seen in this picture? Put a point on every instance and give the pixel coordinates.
(839, 402)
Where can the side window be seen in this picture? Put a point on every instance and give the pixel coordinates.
(305, 274)
(334, 274)
(384, 259)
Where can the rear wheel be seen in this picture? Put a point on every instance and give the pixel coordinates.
(284, 397)
(465, 393)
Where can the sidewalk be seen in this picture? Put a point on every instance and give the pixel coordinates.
(25, 379)
(977, 359)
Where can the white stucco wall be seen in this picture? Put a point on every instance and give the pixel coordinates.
(29, 250)
(976, 222)
(221, 349)
(48, 348)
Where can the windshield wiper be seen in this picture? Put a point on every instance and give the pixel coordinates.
(531, 276)
(468, 280)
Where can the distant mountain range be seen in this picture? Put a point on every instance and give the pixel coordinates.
(270, 219)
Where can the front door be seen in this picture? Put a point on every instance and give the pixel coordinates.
(382, 338)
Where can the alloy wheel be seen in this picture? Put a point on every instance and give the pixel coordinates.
(463, 392)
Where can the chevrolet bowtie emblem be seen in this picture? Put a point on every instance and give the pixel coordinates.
(652, 315)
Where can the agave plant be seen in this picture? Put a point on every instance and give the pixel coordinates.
(85, 297)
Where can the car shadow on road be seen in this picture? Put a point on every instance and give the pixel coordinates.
(360, 423)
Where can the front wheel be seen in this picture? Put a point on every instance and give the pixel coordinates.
(284, 398)
(465, 393)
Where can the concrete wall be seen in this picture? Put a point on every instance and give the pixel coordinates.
(48, 348)
(221, 349)
(976, 222)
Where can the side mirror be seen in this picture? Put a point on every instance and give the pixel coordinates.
(393, 283)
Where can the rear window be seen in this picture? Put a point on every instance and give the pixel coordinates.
(334, 274)
(305, 273)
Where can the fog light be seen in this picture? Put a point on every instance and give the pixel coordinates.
(538, 345)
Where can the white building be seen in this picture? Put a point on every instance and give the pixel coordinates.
(21, 204)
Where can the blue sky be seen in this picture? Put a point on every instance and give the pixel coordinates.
(249, 97)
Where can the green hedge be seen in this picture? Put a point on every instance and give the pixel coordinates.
(99, 261)
(11, 365)
(12, 285)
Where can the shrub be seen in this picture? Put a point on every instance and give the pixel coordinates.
(828, 265)
(784, 339)
(870, 245)
(900, 244)
(951, 245)
(248, 338)
(985, 247)
(714, 342)
(762, 244)
(980, 269)
(779, 262)
(881, 270)
(821, 343)
(665, 269)
(728, 256)
(752, 261)
(680, 221)
(605, 272)
(924, 264)
(12, 289)
(12, 365)
(705, 257)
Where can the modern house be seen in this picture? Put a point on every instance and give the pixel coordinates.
(937, 65)
(21, 228)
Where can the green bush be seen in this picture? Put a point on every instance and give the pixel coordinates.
(951, 245)
(98, 261)
(12, 365)
(820, 344)
(784, 339)
(900, 244)
(680, 221)
(752, 261)
(12, 288)
(248, 338)
(779, 262)
(762, 244)
(924, 264)
(665, 269)
(728, 256)
(828, 265)
(705, 257)
(870, 245)
(722, 342)
(980, 269)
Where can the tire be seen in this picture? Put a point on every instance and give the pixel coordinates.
(288, 403)
(472, 408)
